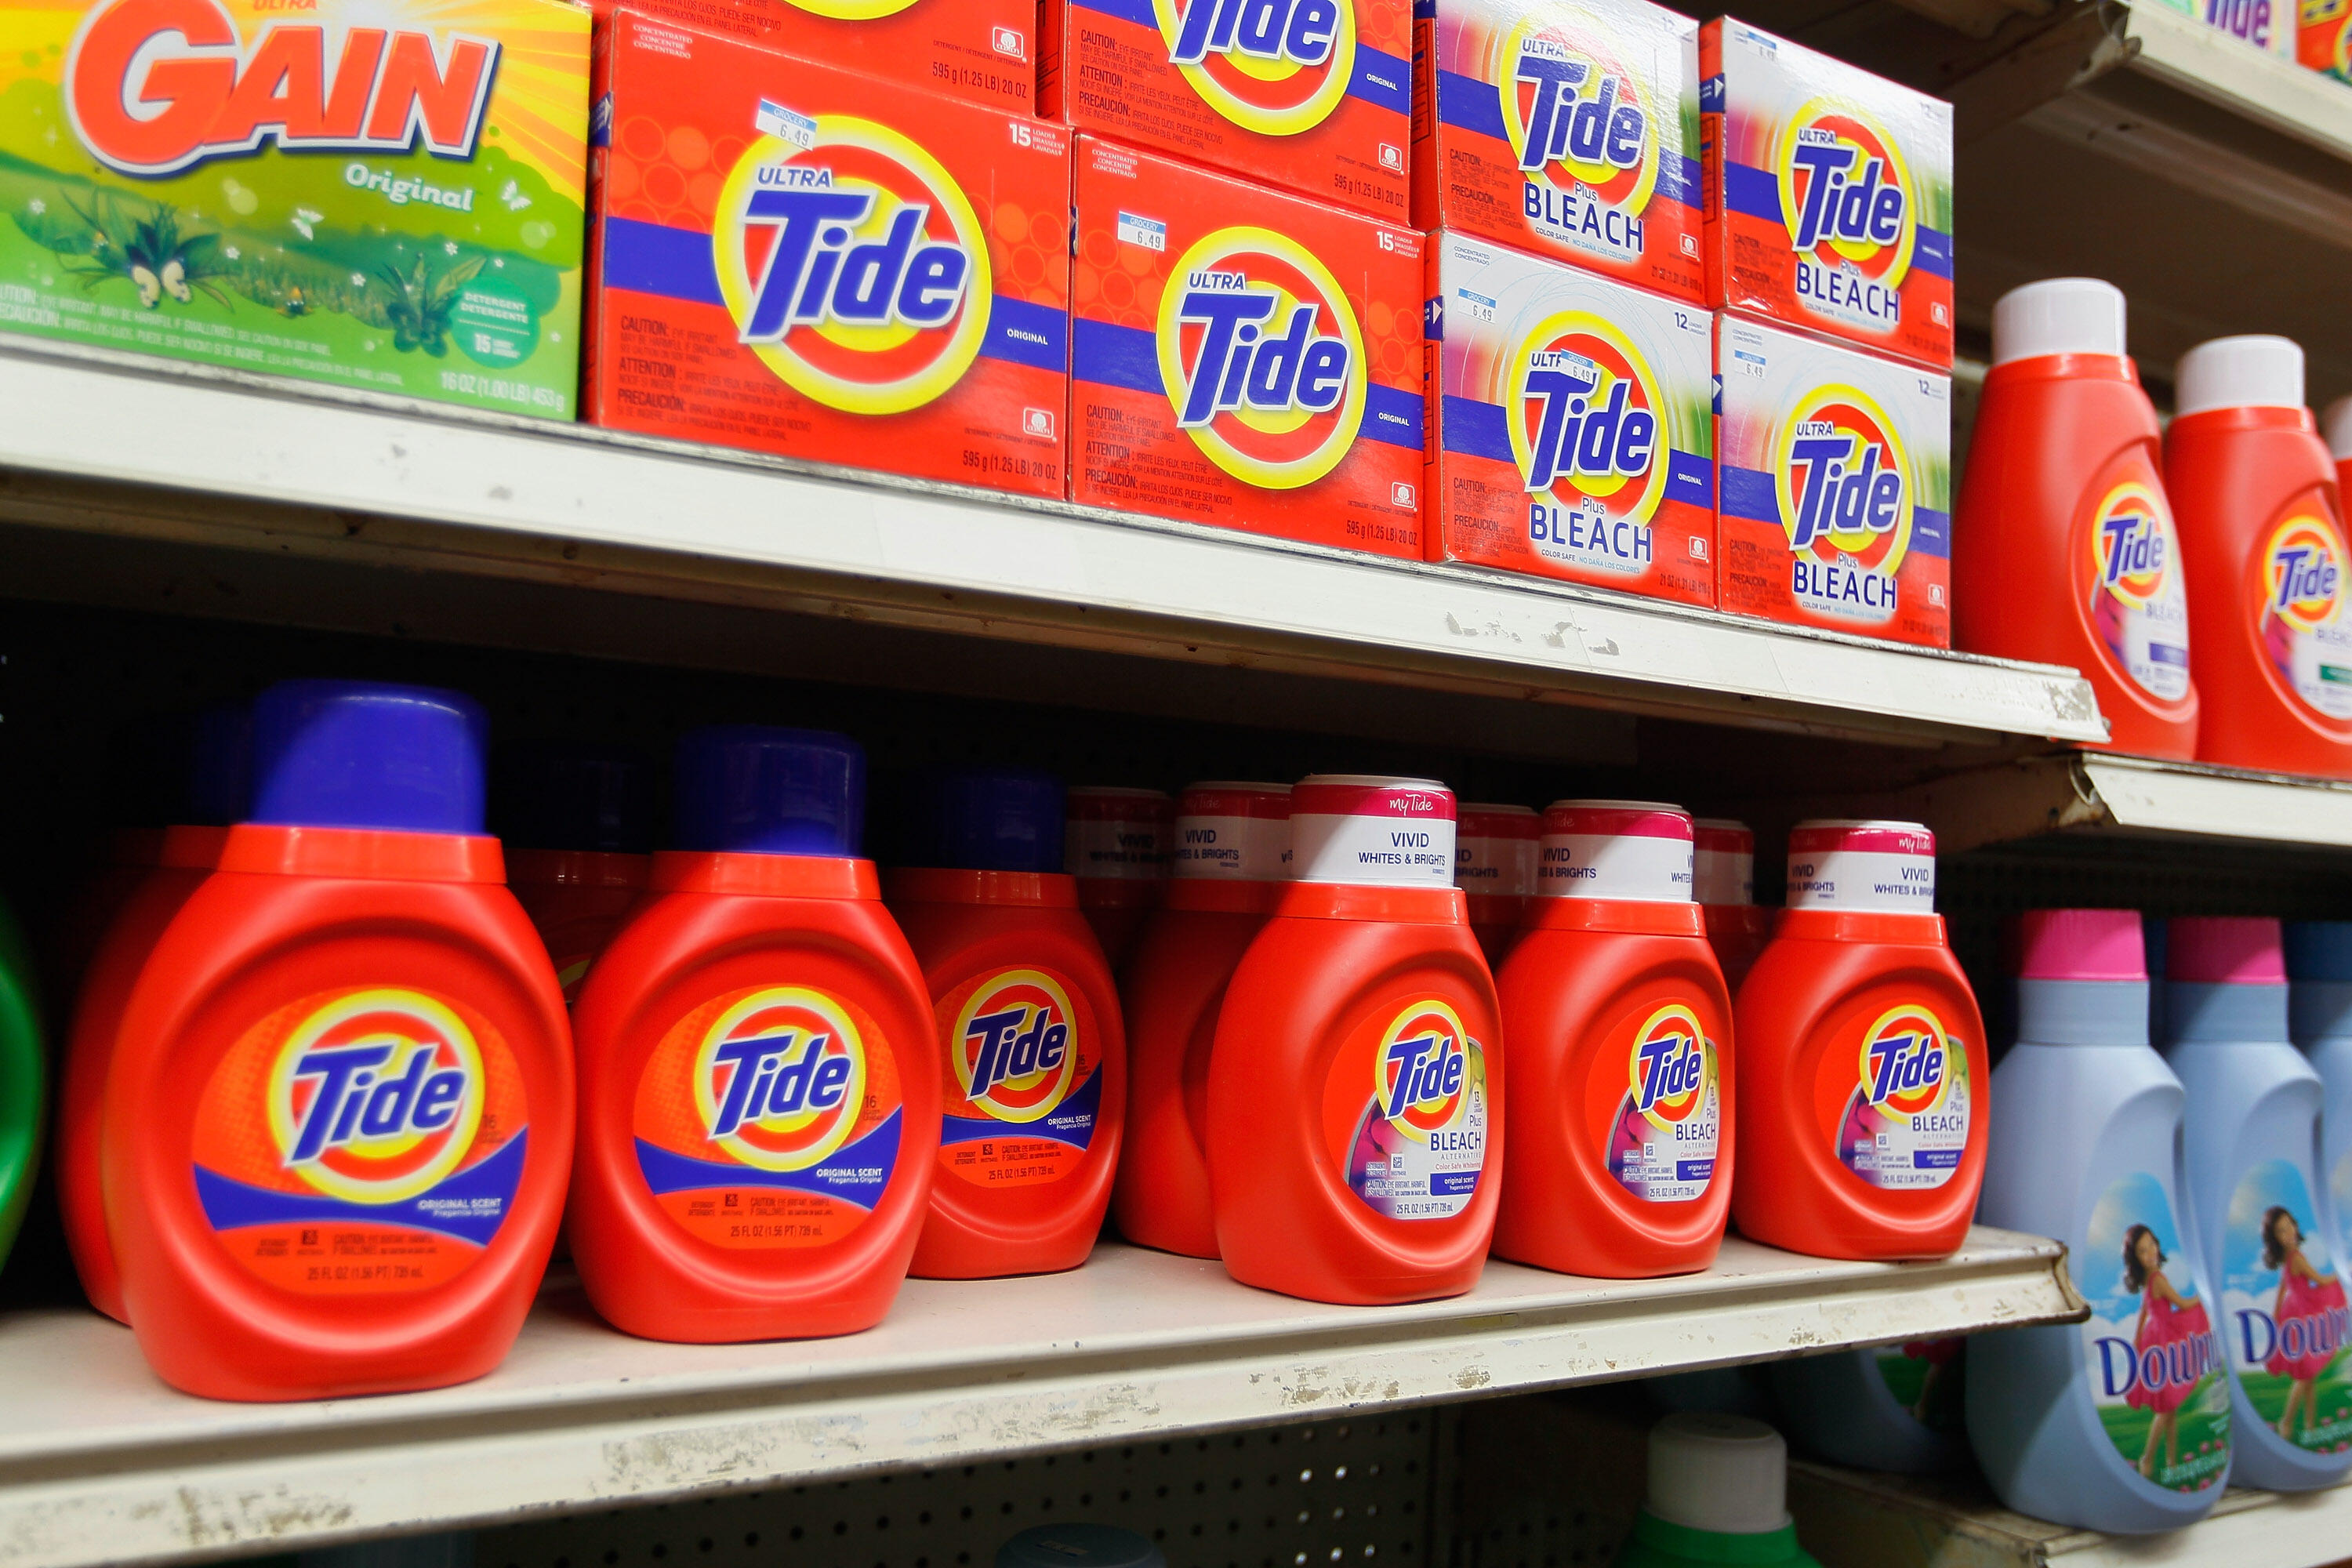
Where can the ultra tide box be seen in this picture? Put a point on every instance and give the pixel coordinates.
(1565, 128)
(1834, 485)
(1242, 356)
(982, 51)
(1313, 96)
(2323, 37)
(790, 257)
(379, 193)
(1570, 430)
(1829, 195)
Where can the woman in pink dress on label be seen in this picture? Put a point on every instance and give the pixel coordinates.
(2311, 1300)
(2166, 1319)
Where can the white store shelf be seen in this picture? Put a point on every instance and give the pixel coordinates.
(2266, 89)
(99, 1462)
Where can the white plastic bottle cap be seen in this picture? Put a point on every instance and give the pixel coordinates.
(2336, 425)
(2058, 316)
(2257, 371)
(1725, 1474)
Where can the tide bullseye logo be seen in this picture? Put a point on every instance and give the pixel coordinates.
(780, 1078)
(1262, 358)
(1589, 417)
(852, 263)
(1905, 1063)
(1577, 117)
(1667, 1070)
(1275, 67)
(374, 1096)
(1845, 481)
(1846, 196)
(1014, 1047)
(2131, 544)
(2304, 573)
(1421, 1071)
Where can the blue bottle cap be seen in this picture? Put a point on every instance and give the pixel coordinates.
(358, 753)
(753, 789)
(998, 819)
(598, 798)
(1079, 1546)
(220, 767)
(2319, 950)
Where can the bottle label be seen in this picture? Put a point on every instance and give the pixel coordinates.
(2300, 619)
(1908, 1105)
(1233, 849)
(1405, 1110)
(769, 1116)
(1128, 851)
(362, 1140)
(1024, 1087)
(1924, 1377)
(2284, 1312)
(1500, 866)
(2136, 597)
(2149, 1347)
(1615, 866)
(1658, 1100)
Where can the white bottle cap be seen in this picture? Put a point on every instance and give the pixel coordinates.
(2256, 372)
(2058, 316)
(2336, 425)
(1725, 1474)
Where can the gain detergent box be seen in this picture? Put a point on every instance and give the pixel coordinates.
(1571, 429)
(1833, 485)
(1567, 128)
(977, 51)
(379, 193)
(1242, 356)
(1829, 195)
(790, 257)
(2323, 40)
(1315, 96)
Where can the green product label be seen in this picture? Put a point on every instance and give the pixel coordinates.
(2285, 1311)
(2149, 1347)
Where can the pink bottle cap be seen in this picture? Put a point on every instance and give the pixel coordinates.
(2225, 949)
(2080, 945)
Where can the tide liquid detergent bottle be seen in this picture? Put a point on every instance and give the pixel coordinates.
(142, 788)
(1232, 857)
(2261, 541)
(219, 782)
(1723, 879)
(2336, 427)
(1495, 866)
(1863, 1062)
(1894, 1408)
(23, 1080)
(1717, 1492)
(759, 1096)
(2319, 1017)
(1356, 1084)
(2252, 1140)
(1116, 843)
(339, 1121)
(578, 845)
(1620, 1035)
(2064, 550)
(2120, 1423)
(1027, 1021)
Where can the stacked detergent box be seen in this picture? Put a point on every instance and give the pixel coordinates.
(1828, 247)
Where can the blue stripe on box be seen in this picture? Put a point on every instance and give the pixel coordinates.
(654, 258)
(1394, 415)
(1113, 355)
(1468, 104)
(1136, 11)
(1382, 80)
(1476, 429)
(1690, 479)
(1931, 532)
(1751, 191)
(1749, 493)
(1678, 179)
(1932, 251)
(1024, 333)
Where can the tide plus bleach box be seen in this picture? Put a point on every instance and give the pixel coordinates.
(1833, 485)
(377, 194)
(1564, 128)
(788, 257)
(1571, 434)
(982, 51)
(1829, 195)
(1242, 356)
(2323, 37)
(1315, 96)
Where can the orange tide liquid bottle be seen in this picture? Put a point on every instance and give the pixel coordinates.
(2064, 550)
(2262, 539)
(1620, 1029)
(218, 786)
(1495, 866)
(1116, 843)
(1862, 1058)
(1356, 1084)
(1232, 856)
(758, 1095)
(1723, 881)
(1028, 1024)
(339, 1121)
(578, 847)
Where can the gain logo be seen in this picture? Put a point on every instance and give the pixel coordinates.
(1905, 1063)
(1262, 358)
(1850, 210)
(1275, 67)
(1588, 425)
(2302, 568)
(1585, 138)
(1668, 1069)
(780, 1078)
(852, 263)
(375, 1096)
(1015, 1048)
(2131, 544)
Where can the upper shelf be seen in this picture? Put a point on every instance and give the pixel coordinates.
(154, 450)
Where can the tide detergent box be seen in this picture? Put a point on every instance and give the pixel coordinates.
(2324, 41)
(792, 259)
(1571, 429)
(1242, 356)
(2269, 26)
(1829, 195)
(982, 51)
(1565, 128)
(1833, 485)
(379, 193)
(1313, 96)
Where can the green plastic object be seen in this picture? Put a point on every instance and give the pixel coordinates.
(24, 1081)
(1658, 1543)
